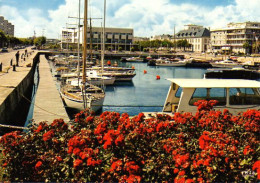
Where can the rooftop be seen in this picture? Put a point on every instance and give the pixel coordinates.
(216, 83)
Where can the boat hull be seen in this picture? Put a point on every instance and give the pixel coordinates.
(171, 64)
(95, 105)
(103, 81)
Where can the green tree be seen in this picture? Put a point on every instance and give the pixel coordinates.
(120, 48)
(246, 46)
(39, 41)
(3, 38)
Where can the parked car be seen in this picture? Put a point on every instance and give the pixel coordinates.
(4, 50)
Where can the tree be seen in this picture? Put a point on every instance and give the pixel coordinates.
(39, 41)
(3, 38)
(246, 46)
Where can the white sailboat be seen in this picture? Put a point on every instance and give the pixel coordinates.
(77, 93)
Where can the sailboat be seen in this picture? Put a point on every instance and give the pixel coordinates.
(77, 93)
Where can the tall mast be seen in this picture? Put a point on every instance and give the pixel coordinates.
(85, 50)
(103, 40)
(78, 68)
(90, 43)
(174, 40)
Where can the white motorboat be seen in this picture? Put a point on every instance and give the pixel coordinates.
(236, 95)
(226, 64)
(169, 63)
(93, 77)
(134, 59)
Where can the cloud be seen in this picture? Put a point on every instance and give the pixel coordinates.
(146, 17)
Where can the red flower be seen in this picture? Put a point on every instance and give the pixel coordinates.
(77, 163)
(116, 166)
(119, 140)
(90, 119)
(176, 170)
(38, 165)
(133, 178)
(256, 167)
(131, 167)
(92, 162)
(181, 173)
(39, 129)
(247, 150)
(76, 151)
(189, 181)
(58, 158)
(48, 135)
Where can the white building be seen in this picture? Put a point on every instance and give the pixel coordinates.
(114, 37)
(196, 35)
(233, 37)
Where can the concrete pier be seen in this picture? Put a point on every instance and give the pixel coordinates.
(48, 104)
(15, 88)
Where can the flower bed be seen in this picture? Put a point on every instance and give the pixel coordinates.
(209, 146)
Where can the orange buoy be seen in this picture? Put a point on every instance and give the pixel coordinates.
(109, 62)
(145, 71)
(158, 77)
(133, 67)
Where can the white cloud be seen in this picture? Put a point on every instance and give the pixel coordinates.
(146, 17)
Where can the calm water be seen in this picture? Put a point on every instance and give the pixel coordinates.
(145, 93)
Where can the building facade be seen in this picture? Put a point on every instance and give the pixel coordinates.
(234, 36)
(197, 36)
(114, 38)
(161, 37)
(6, 26)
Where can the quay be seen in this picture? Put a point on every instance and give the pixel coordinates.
(16, 86)
(48, 104)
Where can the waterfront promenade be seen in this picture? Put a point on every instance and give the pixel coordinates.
(48, 104)
(10, 93)
(9, 79)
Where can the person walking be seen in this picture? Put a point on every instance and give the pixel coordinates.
(17, 58)
(25, 53)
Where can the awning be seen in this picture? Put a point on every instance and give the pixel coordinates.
(225, 48)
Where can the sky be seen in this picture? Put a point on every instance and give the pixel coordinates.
(146, 17)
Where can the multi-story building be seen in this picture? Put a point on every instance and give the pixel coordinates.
(6, 26)
(197, 36)
(161, 37)
(234, 36)
(114, 38)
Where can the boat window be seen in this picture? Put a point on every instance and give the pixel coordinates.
(218, 94)
(178, 93)
(243, 96)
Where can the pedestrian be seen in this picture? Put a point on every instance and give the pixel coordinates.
(25, 53)
(17, 58)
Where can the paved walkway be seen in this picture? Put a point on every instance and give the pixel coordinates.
(9, 79)
(48, 104)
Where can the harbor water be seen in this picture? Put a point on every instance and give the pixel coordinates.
(145, 93)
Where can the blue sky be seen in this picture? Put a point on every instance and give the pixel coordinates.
(146, 17)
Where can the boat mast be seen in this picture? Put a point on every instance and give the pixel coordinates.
(85, 53)
(103, 40)
(78, 68)
(91, 46)
(174, 42)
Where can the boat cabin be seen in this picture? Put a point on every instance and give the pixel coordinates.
(236, 95)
